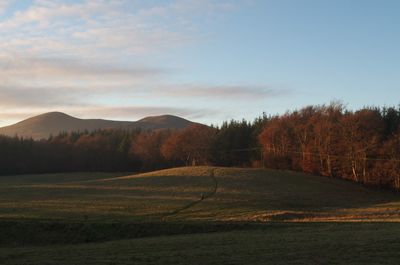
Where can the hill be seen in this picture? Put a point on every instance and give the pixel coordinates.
(250, 195)
(196, 215)
(52, 123)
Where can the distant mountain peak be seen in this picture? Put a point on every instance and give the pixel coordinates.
(163, 118)
(53, 115)
(53, 123)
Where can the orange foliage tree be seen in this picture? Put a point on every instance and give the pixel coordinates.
(191, 146)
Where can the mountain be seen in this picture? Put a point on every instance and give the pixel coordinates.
(52, 123)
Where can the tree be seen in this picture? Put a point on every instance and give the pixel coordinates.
(146, 147)
(276, 139)
(362, 134)
(388, 170)
(191, 146)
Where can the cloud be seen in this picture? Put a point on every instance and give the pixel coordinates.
(4, 5)
(41, 13)
(98, 57)
(226, 91)
(31, 81)
(61, 96)
(88, 28)
(138, 112)
(17, 66)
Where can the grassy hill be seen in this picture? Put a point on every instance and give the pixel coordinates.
(242, 195)
(196, 215)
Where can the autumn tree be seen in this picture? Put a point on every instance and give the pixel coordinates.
(361, 136)
(146, 147)
(276, 140)
(326, 138)
(388, 169)
(191, 146)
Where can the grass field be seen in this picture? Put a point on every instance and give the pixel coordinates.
(303, 243)
(196, 215)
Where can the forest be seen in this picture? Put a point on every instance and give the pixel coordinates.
(328, 140)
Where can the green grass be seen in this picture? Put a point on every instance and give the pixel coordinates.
(304, 243)
(256, 216)
(97, 197)
(242, 195)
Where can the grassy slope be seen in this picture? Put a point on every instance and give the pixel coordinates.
(304, 243)
(98, 197)
(242, 195)
(100, 201)
(268, 195)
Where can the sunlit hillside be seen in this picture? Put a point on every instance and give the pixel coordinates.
(194, 193)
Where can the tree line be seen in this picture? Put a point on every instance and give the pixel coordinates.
(127, 150)
(329, 140)
(362, 146)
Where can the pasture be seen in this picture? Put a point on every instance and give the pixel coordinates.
(196, 215)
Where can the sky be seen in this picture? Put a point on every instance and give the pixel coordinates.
(203, 60)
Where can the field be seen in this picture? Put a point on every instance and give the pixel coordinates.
(196, 215)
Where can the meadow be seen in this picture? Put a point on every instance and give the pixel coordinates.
(196, 215)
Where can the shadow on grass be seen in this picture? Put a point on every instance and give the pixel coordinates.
(41, 233)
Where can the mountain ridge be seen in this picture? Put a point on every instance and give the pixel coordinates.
(52, 123)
